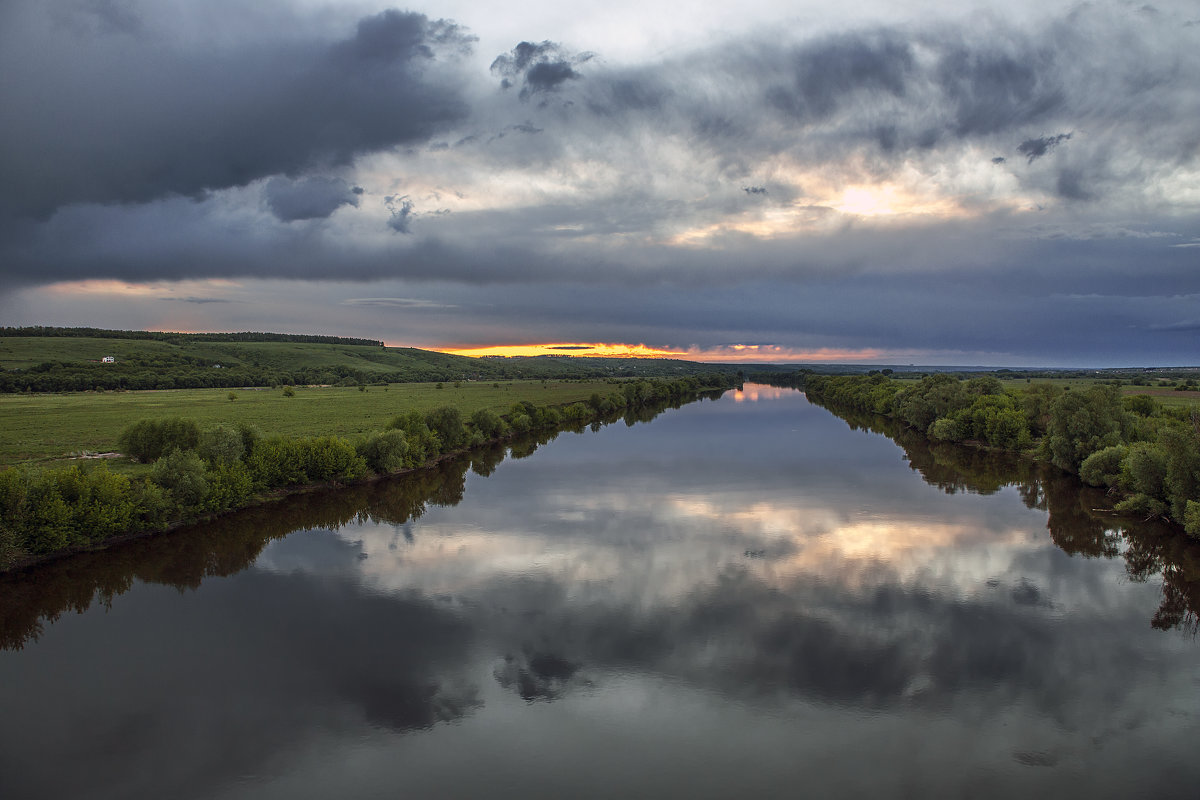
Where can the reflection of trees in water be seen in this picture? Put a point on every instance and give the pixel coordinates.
(1078, 522)
(185, 557)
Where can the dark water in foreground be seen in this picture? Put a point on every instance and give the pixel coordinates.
(741, 598)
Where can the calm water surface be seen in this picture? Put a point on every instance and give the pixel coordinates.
(742, 597)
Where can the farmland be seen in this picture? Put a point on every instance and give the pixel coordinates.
(37, 428)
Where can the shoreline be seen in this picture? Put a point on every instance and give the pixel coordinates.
(677, 393)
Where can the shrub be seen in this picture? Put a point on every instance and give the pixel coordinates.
(385, 452)
(1182, 481)
(181, 472)
(14, 487)
(150, 439)
(1191, 519)
(286, 462)
(945, 429)
(249, 436)
(48, 526)
(103, 504)
(1141, 404)
(1143, 505)
(488, 423)
(446, 422)
(1103, 468)
(1144, 469)
(578, 412)
(422, 443)
(229, 485)
(1082, 423)
(220, 444)
(547, 418)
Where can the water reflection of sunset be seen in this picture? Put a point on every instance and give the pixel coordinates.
(757, 391)
(588, 543)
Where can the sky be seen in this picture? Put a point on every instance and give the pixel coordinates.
(967, 183)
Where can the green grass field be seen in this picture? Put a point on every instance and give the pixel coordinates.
(44, 428)
(1165, 395)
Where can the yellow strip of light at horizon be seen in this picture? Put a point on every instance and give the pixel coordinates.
(564, 349)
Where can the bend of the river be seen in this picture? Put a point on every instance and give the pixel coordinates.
(740, 598)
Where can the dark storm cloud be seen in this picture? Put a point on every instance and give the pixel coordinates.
(1072, 185)
(308, 198)
(401, 210)
(888, 95)
(824, 74)
(1034, 149)
(537, 67)
(101, 119)
(992, 86)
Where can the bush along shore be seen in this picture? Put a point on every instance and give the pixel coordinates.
(1146, 455)
(203, 472)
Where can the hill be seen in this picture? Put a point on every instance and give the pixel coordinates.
(71, 359)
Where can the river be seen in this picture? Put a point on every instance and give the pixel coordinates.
(742, 597)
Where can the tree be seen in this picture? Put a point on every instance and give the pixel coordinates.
(220, 444)
(149, 439)
(488, 423)
(447, 423)
(182, 473)
(385, 452)
(1082, 423)
(1103, 467)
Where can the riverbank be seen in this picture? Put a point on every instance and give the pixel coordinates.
(1145, 455)
(51, 429)
(204, 472)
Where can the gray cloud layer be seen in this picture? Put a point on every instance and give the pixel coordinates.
(135, 150)
(110, 117)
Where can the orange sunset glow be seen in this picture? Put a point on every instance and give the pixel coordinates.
(736, 353)
(566, 349)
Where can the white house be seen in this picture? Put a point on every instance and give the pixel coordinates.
(109, 360)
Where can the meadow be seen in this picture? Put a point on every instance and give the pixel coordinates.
(47, 428)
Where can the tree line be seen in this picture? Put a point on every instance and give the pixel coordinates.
(200, 471)
(1074, 518)
(38, 331)
(1145, 454)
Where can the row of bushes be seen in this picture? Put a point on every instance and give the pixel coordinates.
(1146, 453)
(201, 471)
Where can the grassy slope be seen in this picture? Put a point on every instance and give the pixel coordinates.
(24, 352)
(45, 427)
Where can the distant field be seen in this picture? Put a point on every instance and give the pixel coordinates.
(47, 427)
(1163, 394)
(1168, 397)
